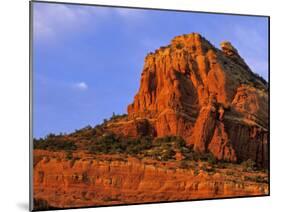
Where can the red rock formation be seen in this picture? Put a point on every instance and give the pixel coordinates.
(220, 145)
(192, 89)
(61, 183)
(189, 88)
(132, 128)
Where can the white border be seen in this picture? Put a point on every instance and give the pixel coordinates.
(14, 117)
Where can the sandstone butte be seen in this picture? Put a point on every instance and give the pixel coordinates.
(209, 97)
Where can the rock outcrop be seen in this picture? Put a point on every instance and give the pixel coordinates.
(208, 96)
(62, 183)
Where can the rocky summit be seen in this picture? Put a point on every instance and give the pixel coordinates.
(208, 96)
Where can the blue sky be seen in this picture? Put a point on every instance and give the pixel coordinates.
(87, 60)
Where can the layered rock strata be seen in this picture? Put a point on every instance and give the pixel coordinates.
(61, 183)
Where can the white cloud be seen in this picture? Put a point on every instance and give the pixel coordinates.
(130, 14)
(50, 19)
(81, 86)
(54, 20)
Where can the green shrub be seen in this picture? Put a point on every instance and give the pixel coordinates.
(221, 165)
(191, 155)
(184, 164)
(248, 165)
(163, 148)
(54, 144)
(208, 157)
(115, 117)
(69, 156)
(110, 144)
(49, 136)
(179, 142)
(167, 155)
(231, 173)
(258, 179)
(179, 45)
(206, 168)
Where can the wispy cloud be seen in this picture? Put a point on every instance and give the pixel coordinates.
(131, 15)
(53, 21)
(60, 84)
(81, 86)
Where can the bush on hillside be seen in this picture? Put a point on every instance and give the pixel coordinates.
(54, 144)
(248, 165)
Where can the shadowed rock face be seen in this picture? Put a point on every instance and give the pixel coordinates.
(208, 96)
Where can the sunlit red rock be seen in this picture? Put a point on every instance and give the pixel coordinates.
(192, 89)
(189, 88)
(109, 180)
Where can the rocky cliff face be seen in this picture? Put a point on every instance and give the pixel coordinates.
(208, 96)
(90, 181)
